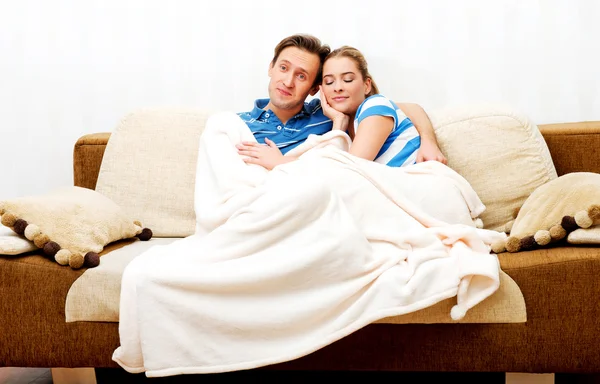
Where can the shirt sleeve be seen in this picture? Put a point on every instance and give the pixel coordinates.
(377, 105)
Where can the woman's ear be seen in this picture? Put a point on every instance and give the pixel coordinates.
(368, 86)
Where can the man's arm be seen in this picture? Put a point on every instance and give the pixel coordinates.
(267, 156)
(429, 146)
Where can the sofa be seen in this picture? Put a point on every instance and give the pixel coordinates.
(559, 286)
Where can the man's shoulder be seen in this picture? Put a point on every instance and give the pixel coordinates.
(313, 106)
(259, 104)
(247, 117)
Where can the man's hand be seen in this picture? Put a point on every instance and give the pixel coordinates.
(267, 156)
(430, 151)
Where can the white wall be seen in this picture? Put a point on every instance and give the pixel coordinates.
(71, 67)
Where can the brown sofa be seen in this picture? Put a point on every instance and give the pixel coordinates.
(561, 287)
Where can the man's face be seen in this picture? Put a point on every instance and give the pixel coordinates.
(292, 78)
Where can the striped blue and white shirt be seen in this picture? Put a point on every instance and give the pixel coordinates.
(265, 124)
(401, 146)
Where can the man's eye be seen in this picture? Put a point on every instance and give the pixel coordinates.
(302, 77)
(282, 67)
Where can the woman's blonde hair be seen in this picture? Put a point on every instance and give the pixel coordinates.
(361, 63)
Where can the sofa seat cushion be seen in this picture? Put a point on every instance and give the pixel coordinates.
(558, 253)
(506, 305)
(32, 315)
(95, 295)
(560, 287)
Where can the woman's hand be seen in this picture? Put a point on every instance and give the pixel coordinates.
(340, 120)
(430, 151)
(267, 156)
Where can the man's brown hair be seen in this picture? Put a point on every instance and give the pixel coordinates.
(307, 43)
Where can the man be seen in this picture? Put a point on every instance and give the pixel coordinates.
(285, 120)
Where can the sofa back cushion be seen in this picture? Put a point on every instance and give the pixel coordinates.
(499, 151)
(149, 168)
(149, 164)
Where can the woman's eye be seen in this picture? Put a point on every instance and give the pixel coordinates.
(328, 82)
(348, 80)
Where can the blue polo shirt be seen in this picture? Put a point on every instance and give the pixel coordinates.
(264, 123)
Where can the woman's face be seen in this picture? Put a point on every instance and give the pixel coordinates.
(343, 85)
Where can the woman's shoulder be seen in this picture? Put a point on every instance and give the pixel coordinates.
(376, 100)
(379, 99)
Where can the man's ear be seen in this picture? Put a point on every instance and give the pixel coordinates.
(270, 69)
(314, 90)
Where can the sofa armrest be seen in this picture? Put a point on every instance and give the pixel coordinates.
(573, 146)
(87, 158)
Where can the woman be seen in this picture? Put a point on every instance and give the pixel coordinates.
(379, 130)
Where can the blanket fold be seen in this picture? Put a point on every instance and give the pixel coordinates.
(285, 262)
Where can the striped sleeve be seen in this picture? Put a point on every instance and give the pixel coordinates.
(377, 105)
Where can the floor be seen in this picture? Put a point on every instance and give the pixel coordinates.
(44, 376)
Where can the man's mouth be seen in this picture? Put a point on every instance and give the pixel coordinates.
(284, 92)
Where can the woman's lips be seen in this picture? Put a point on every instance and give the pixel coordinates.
(339, 99)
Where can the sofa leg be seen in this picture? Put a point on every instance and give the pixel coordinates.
(73, 376)
(529, 378)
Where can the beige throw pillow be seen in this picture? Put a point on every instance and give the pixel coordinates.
(567, 205)
(71, 224)
(12, 244)
(589, 235)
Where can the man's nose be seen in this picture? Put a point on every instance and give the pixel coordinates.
(288, 80)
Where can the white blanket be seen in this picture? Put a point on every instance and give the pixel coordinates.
(285, 262)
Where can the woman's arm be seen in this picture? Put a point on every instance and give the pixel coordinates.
(429, 149)
(370, 135)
